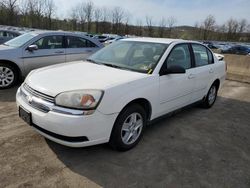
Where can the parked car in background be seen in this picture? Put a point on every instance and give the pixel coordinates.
(219, 56)
(101, 38)
(89, 35)
(240, 50)
(6, 35)
(114, 94)
(113, 39)
(38, 49)
(210, 44)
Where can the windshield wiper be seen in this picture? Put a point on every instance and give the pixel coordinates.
(111, 65)
(92, 61)
(107, 64)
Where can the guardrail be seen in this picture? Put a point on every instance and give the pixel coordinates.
(238, 67)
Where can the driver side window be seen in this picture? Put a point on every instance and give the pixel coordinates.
(179, 56)
(50, 42)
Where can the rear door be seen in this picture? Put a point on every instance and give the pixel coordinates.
(50, 51)
(203, 71)
(79, 48)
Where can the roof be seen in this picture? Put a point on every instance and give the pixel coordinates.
(154, 40)
(44, 32)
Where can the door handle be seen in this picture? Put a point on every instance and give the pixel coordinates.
(191, 76)
(59, 52)
(211, 71)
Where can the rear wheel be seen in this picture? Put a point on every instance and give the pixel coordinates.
(8, 76)
(211, 96)
(128, 128)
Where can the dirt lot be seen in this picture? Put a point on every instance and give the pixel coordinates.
(194, 148)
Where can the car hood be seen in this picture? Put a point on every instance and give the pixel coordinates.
(55, 79)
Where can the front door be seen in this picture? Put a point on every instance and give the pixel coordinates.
(50, 51)
(176, 89)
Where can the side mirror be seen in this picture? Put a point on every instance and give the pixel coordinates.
(175, 69)
(32, 47)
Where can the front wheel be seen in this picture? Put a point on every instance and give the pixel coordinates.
(128, 128)
(211, 97)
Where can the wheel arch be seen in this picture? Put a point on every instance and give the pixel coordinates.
(143, 103)
(8, 62)
(217, 83)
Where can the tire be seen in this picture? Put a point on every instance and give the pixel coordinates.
(211, 97)
(8, 76)
(127, 125)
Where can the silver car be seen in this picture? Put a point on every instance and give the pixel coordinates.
(38, 49)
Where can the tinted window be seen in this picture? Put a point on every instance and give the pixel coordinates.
(12, 35)
(180, 56)
(200, 55)
(1, 33)
(77, 42)
(50, 42)
(210, 57)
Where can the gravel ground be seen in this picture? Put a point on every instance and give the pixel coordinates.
(193, 148)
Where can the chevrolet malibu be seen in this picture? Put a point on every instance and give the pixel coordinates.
(41, 48)
(113, 95)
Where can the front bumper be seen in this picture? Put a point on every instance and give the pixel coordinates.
(65, 129)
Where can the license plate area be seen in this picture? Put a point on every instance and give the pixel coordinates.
(25, 115)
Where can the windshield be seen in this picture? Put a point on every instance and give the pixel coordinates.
(21, 40)
(131, 55)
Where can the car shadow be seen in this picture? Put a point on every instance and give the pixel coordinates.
(193, 147)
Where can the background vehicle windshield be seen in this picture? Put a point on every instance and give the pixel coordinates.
(21, 40)
(132, 55)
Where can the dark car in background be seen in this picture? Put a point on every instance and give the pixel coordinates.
(6, 35)
(210, 44)
(240, 50)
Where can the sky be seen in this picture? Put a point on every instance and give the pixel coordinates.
(186, 12)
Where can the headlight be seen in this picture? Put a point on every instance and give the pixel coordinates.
(82, 99)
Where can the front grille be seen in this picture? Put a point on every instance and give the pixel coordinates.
(38, 94)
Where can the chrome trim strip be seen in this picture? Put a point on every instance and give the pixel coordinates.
(38, 94)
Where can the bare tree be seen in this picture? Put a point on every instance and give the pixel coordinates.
(49, 11)
(171, 21)
(11, 7)
(139, 29)
(97, 14)
(232, 28)
(117, 18)
(208, 26)
(105, 17)
(74, 17)
(162, 27)
(242, 25)
(89, 9)
(149, 22)
(126, 23)
(35, 10)
(79, 12)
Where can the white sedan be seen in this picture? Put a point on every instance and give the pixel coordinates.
(113, 95)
